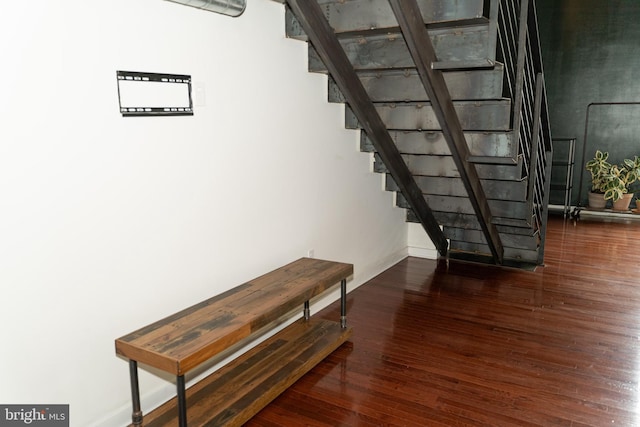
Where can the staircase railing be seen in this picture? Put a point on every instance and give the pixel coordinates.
(519, 50)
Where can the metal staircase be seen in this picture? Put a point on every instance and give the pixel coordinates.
(450, 97)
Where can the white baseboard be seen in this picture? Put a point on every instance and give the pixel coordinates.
(428, 253)
(122, 416)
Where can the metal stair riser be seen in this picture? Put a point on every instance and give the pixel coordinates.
(366, 15)
(405, 86)
(473, 116)
(460, 220)
(443, 186)
(476, 236)
(463, 47)
(521, 255)
(499, 208)
(499, 146)
(444, 166)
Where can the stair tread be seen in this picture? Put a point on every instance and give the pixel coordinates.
(239, 390)
(461, 102)
(437, 27)
(489, 160)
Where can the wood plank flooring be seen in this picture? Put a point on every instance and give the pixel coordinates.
(439, 343)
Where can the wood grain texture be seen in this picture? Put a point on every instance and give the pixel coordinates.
(232, 395)
(440, 343)
(181, 342)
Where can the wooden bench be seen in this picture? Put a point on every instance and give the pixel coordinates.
(237, 391)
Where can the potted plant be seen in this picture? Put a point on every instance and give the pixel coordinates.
(618, 180)
(600, 169)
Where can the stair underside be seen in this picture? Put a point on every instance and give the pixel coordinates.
(453, 187)
(503, 209)
(361, 15)
(484, 147)
(445, 167)
(404, 85)
(490, 115)
(464, 47)
(368, 29)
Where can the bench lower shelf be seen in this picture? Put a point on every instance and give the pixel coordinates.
(240, 389)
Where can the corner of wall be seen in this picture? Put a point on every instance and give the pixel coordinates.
(418, 243)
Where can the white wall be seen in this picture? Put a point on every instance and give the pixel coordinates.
(419, 244)
(108, 223)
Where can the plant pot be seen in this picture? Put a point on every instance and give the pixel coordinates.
(623, 203)
(597, 201)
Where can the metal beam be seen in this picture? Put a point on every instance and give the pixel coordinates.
(415, 34)
(326, 43)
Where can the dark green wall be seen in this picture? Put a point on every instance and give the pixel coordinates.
(591, 54)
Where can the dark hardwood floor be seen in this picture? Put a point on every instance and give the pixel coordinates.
(439, 343)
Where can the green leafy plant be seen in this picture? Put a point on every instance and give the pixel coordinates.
(619, 177)
(600, 171)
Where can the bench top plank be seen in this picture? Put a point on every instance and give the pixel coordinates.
(180, 342)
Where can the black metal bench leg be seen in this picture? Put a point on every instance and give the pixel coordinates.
(343, 303)
(136, 415)
(182, 401)
(307, 311)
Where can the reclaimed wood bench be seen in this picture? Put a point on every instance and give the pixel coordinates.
(234, 393)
